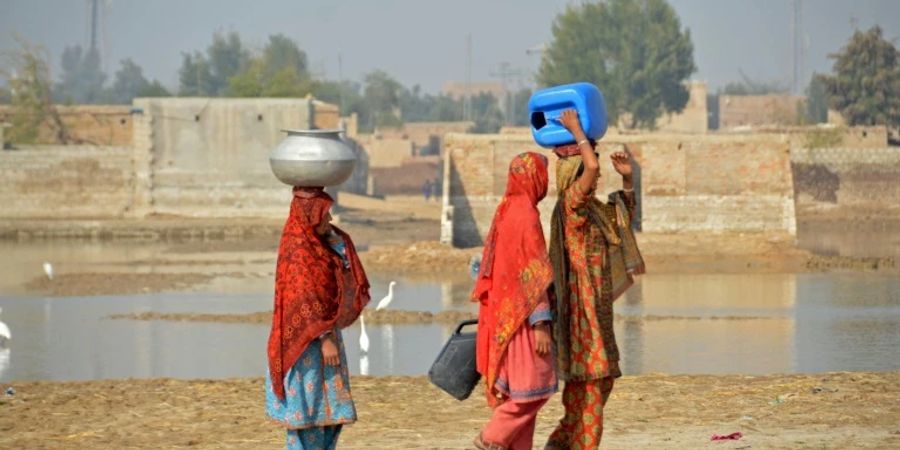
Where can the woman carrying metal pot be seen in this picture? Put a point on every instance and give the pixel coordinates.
(320, 288)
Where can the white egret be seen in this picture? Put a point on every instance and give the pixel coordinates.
(4, 366)
(48, 269)
(387, 298)
(5, 335)
(364, 365)
(363, 337)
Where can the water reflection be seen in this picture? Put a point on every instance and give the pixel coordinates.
(707, 323)
(860, 243)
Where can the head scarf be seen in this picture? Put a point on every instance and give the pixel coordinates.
(515, 270)
(313, 293)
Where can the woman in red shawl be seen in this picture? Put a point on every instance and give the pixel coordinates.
(513, 345)
(320, 288)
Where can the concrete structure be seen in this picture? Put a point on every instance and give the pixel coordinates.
(200, 157)
(847, 182)
(685, 183)
(209, 156)
(695, 116)
(326, 116)
(759, 110)
(386, 152)
(85, 124)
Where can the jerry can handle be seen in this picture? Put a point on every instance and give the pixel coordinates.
(463, 324)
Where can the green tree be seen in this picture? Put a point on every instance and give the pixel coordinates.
(866, 80)
(486, 113)
(283, 53)
(82, 79)
(209, 74)
(816, 101)
(247, 83)
(416, 106)
(130, 83)
(195, 76)
(227, 56)
(382, 96)
(753, 87)
(635, 51)
(345, 94)
(520, 100)
(129, 80)
(280, 71)
(27, 75)
(154, 89)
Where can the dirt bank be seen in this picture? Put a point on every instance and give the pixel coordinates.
(219, 266)
(838, 410)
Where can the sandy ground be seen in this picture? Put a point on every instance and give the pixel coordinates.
(824, 411)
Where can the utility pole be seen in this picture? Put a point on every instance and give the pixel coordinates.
(506, 74)
(95, 19)
(467, 100)
(797, 35)
(341, 83)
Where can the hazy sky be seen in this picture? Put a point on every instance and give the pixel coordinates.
(424, 41)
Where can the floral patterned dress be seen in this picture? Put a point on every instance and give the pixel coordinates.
(593, 341)
(317, 399)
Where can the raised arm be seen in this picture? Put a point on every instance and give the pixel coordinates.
(585, 182)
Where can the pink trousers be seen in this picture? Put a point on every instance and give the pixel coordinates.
(512, 424)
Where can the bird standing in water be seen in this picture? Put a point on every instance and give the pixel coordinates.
(387, 298)
(363, 337)
(5, 334)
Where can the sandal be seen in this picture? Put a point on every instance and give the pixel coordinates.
(480, 444)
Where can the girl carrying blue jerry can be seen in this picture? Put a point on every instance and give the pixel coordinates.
(546, 105)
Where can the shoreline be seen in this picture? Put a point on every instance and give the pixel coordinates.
(247, 266)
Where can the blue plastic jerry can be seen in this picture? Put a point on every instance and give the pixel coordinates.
(546, 107)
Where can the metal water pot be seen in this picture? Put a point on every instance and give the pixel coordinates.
(310, 158)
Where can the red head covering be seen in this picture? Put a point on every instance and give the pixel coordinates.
(313, 293)
(515, 269)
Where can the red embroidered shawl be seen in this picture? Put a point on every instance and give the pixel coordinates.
(313, 294)
(515, 269)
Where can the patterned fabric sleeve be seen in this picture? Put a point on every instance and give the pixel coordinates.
(541, 313)
(576, 215)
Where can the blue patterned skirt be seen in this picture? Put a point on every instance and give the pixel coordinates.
(317, 400)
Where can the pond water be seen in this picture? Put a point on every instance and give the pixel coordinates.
(683, 323)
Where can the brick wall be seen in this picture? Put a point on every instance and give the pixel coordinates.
(66, 182)
(386, 152)
(755, 110)
(839, 181)
(187, 156)
(86, 124)
(685, 183)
